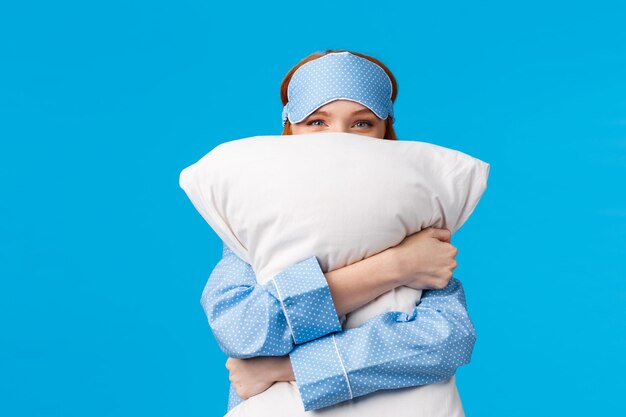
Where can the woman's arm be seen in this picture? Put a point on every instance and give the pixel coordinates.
(391, 350)
(298, 305)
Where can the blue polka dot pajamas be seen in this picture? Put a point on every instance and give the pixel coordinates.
(293, 314)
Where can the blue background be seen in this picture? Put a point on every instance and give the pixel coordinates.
(103, 257)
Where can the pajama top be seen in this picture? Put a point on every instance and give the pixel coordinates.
(294, 314)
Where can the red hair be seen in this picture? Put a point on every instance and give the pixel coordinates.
(390, 134)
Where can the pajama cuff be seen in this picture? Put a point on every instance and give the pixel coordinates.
(306, 301)
(320, 374)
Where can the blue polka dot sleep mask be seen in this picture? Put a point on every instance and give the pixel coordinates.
(334, 76)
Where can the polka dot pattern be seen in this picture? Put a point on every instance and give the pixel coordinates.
(232, 296)
(294, 307)
(306, 301)
(338, 75)
(390, 350)
(320, 374)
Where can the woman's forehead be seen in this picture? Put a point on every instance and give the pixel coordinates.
(343, 106)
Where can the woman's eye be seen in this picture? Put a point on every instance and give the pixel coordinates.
(314, 123)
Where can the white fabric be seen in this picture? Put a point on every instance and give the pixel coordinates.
(275, 200)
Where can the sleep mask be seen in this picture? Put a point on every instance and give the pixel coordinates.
(334, 76)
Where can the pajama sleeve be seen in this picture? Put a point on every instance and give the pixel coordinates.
(391, 350)
(249, 319)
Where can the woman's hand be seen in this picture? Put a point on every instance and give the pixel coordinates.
(252, 376)
(425, 260)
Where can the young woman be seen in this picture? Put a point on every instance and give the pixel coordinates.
(269, 339)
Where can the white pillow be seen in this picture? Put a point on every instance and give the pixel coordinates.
(276, 200)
